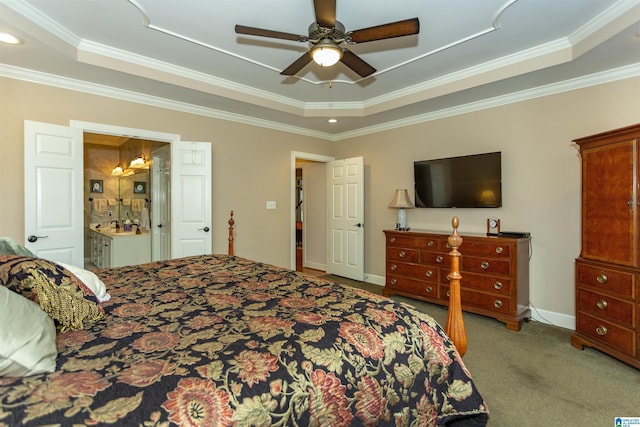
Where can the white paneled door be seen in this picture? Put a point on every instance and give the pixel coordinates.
(53, 175)
(345, 216)
(191, 199)
(53, 178)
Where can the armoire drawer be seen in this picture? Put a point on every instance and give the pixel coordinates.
(612, 281)
(606, 306)
(607, 333)
(417, 287)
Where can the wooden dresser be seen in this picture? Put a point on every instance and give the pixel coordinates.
(607, 277)
(495, 272)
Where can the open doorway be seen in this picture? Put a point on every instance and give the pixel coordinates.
(308, 216)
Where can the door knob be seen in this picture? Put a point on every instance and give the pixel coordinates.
(34, 239)
(205, 229)
(359, 225)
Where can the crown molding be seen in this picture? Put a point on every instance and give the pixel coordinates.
(621, 73)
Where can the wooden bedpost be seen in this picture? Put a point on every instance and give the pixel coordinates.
(455, 323)
(231, 222)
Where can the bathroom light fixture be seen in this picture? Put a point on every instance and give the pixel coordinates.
(326, 53)
(333, 120)
(138, 162)
(9, 39)
(117, 171)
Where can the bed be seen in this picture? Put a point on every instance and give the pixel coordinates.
(219, 340)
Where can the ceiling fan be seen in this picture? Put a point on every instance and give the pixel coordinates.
(326, 35)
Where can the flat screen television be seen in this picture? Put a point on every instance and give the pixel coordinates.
(473, 181)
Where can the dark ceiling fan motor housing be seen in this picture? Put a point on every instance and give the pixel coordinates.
(327, 30)
(317, 33)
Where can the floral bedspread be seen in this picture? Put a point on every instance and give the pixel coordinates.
(219, 341)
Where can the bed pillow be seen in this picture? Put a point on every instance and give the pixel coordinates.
(27, 337)
(60, 294)
(9, 247)
(90, 280)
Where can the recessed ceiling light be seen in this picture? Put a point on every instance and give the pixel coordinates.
(9, 39)
(333, 120)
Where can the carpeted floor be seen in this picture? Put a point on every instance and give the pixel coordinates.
(535, 377)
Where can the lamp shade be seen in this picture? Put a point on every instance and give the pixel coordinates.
(326, 53)
(401, 200)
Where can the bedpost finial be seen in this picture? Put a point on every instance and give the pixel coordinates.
(454, 239)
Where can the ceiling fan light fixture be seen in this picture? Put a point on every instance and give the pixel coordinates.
(326, 53)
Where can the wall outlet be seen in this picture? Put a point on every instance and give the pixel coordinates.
(126, 213)
(109, 213)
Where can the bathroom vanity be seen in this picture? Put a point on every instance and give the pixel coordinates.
(117, 248)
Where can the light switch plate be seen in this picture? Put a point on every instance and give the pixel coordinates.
(271, 204)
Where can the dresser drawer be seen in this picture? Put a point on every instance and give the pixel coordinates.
(606, 333)
(406, 255)
(413, 286)
(488, 265)
(409, 241)
(415, 271)
(608, 280)
(486, 249)
(496, 285)
(435, 258)
(606, 306)
(493, 303)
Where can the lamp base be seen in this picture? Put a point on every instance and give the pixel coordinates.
(402, 219)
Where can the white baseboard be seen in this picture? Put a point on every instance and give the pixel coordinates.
(552, 318)
(315, 266)
(373, 279)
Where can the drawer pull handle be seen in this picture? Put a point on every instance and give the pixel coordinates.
(394, 267)
(484, 265)
(429, 289)
(439, 258)
(402, 254)
(497, 285)
(601, 330)
(602, 304)
(499, 249)
(497, 303)
(430, 243)
(429, 273)
(448, 246)
(602, 278)
(392, 239)
(448, 293)
(394, 281)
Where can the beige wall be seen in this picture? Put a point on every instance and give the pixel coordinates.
(541, 171)
(250, 165)
(540, 177)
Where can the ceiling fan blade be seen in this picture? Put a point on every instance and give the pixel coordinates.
(298, 65)
(357, 64)
(386, 31)
(325, 12)
(252, 31)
